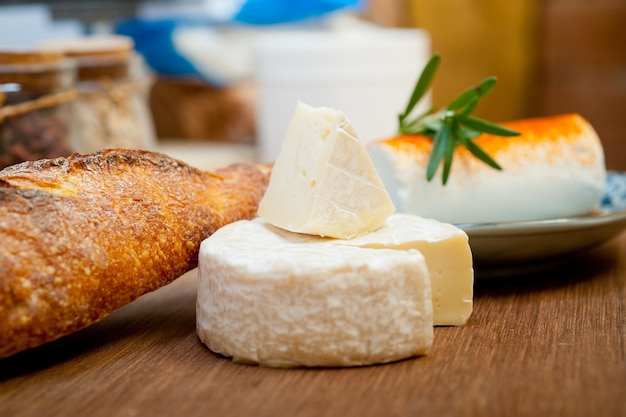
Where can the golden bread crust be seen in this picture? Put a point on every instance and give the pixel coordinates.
(85, 235)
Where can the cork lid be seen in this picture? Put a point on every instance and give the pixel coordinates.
(32, 70)
(96, 56)
(107, 46)
(29, 57)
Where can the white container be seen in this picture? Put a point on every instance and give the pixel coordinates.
(367, 74)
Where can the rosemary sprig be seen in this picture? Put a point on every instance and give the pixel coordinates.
(452, 125)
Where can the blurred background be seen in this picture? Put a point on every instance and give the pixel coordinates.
(550, 56)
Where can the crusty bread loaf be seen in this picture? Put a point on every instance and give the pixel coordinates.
(554, 168)
(85, 235)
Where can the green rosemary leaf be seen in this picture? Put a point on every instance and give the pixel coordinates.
(450, 144)
(472, 93)
(468, 133)
(423, 83)
(469, 108)
(436, 154)
(484, 126)
(417, 125)
(432, 126)
(414, 127)
(451, 126)
(478, 152)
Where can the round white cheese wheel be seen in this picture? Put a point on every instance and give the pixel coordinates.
(278, 298)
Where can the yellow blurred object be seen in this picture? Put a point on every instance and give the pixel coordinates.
(477, 39)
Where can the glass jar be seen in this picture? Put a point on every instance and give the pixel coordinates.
(111, 109)
(35, 89)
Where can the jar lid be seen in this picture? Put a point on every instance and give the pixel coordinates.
(87, 47)
(95, 56)
(29, 57)
(35, 71)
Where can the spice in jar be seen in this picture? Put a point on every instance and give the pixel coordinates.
(111, 109)
(35, 88)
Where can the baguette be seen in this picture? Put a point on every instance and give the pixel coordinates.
(84, 235)
(554, 168)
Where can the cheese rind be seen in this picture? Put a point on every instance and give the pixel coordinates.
(448, 257)
(444, 246)
(324, 182)
(278, 298)
(554, 169)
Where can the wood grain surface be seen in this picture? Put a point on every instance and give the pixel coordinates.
(551, 344)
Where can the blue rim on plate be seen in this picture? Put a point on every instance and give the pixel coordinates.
(614, 198)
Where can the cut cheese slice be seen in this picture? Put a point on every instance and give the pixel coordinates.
(448, 256)
(324, 182)
(278, 298)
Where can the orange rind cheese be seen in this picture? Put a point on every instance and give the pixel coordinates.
(554, 168)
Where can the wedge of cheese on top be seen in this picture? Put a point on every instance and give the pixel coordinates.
(277, 298)
(324, 182)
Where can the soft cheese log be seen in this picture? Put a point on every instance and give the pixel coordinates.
(448, 256)
(323, 181)
(555, 168)
(277, 298)
(85, 235)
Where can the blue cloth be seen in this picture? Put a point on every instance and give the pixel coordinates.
(264, 12)
(153, 40)
(154, 37)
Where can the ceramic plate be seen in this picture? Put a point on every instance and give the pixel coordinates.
(514, 248)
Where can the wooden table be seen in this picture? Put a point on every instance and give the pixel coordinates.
(545, 345)
(551, 344)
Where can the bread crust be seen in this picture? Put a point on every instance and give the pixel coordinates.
(84, 235)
